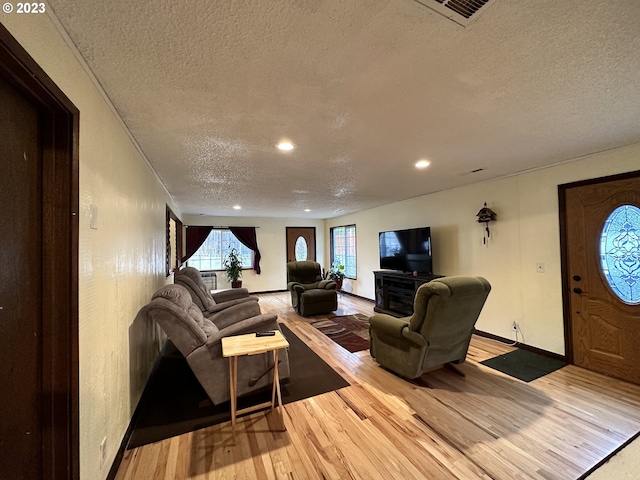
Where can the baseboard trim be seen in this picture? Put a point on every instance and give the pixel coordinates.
(113, 471)
(523, 346)
(356, 296)
(268, 291)
(123, 447)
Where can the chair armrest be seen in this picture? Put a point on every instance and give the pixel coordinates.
(296, 287)
(230, 294)
(389, 325)
(259, 323)
(327, 284)
(396, 327)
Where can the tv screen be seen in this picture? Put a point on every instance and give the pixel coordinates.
(406, 250)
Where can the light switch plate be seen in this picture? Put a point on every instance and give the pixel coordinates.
(93, 216)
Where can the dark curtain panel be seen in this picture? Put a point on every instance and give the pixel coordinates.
(195, 238)
(247, 236)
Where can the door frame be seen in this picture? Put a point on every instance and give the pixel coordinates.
(60, 193)
(564, 251)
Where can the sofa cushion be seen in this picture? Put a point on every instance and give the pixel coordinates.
(196, 314)
(196, 283)
(171, 308)
(176, 294)
(318, 296)
(209, 328)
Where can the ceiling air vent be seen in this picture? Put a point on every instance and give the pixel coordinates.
(462, 12)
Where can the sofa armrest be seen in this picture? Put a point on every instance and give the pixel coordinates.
(218, 307)
(259, 323)
(230, 294)
(234, 313)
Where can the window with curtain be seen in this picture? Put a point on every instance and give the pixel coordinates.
(216, 247)
(343, 249)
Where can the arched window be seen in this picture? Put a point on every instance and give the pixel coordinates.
(302, 251)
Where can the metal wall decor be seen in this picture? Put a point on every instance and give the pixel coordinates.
(486, 215)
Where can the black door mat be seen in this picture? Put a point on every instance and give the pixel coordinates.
(524, 365)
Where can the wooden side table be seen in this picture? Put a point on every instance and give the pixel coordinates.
(249, 344)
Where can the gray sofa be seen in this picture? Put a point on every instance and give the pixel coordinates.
(213, 305)
(199, 340)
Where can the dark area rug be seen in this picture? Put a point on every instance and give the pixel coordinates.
(524, 365)
(349, 331)
(174, 402)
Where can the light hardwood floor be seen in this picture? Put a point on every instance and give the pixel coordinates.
(484, 426)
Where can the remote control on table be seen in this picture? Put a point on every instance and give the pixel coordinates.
(265, 334)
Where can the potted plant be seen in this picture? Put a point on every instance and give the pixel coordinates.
(336, 273)
(233, 266)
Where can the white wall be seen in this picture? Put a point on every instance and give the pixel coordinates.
(120, 264)
(272, 242)
(526, 232)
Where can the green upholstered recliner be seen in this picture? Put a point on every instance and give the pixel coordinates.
(438, 332)
(310, 294)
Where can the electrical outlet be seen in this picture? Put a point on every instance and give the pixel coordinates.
(103, 452)
(514, 327)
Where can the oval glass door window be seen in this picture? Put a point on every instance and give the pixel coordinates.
(620, 253)
(301, 249)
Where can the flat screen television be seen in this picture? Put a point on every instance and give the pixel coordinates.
(406, 250)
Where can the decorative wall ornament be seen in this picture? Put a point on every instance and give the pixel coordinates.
(486, 215)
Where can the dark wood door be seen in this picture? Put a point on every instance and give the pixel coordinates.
(39, 435)
(603, 276)
(21, 287)
(301, 243)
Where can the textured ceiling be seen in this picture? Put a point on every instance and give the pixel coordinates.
(363, 89)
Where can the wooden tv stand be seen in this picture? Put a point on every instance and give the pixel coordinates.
(395, 291)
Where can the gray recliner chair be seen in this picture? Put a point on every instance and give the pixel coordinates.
(310, 294)
(439, 331)
(199, 339)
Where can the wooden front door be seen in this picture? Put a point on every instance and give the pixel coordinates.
(301, 243)
(602, 275)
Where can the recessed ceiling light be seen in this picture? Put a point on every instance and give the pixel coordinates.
(307, 209)
(422, 163)
(237, 207)
(286, 146)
